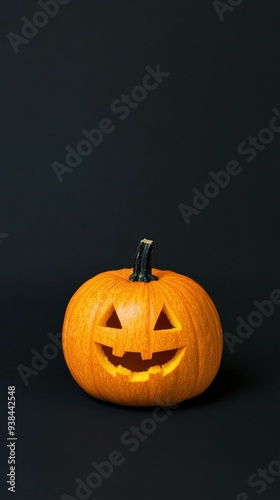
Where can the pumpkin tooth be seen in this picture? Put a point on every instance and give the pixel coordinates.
(145, 355)
(117, 351)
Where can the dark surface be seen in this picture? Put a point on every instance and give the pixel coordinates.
(222, 87)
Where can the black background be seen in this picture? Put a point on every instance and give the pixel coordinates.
(222, 87)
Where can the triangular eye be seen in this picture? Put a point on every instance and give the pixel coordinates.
(113, 321)
(163, 322)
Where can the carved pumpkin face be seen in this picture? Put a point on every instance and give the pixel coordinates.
(142, 343)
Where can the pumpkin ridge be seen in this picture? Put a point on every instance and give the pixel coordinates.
(194, 336)
(214, 313)
(206, 300)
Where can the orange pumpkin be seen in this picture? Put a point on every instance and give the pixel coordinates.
(142, 339)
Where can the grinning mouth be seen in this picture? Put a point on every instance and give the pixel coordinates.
(133, 360)
(131, 364)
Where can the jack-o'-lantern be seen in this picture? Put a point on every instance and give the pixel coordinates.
(142, 337)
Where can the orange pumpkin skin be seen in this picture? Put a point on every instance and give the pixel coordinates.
(132, 362)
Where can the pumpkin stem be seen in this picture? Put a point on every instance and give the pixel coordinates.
(142, 270)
